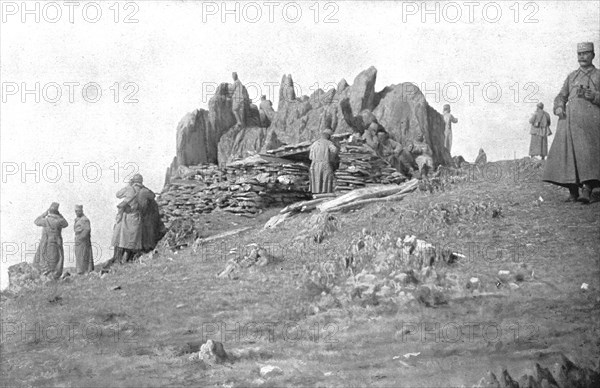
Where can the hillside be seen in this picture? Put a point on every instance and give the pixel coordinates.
(140, 324)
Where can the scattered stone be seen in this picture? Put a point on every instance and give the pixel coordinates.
(490, 381)
(507, 380)
(181, 305)
(473, 284)
(544, 374)
(566, 374)
(527, 381)
(23, 275)
(269, 371)
(257, 256)
(115, 288)
(585, 286)
(513, 286)
(213, 352)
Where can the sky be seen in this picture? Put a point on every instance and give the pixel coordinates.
(92, 92)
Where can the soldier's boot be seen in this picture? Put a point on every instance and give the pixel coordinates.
(586, 194)
(573, 193)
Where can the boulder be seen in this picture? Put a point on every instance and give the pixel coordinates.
(193, 140)
(269, 371)
(287, 94)
(23, 275)
(220, 108)
(239, 143)
(362, 91)
(199, 132)
(404, 113)
(212, 352)
(361, 95)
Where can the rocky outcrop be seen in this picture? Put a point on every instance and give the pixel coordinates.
(401, 109)
(193, 146)
(212, 136)
(199, 132)
(404, 113)
(239, 143)
(361, 95)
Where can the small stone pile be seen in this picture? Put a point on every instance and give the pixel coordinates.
(252, 255)
(244, 188)
(359, 165)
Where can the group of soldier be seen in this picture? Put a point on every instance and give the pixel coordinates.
(137, 229)
(413, 158)
(574, 157)
(573, 160)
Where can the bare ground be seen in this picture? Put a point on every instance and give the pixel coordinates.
(86, 333)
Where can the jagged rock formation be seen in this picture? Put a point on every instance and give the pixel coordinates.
(404, 113)
(195, 139)
(212, 137)
(239, 143)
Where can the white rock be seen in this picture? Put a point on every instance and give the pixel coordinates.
(269, 371)
(585, 286)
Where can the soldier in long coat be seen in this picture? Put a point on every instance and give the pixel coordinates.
(266, 111)
(153, 228)
(574, 157)
(237, 97)
(50, 255)
(84, 260)
(449, 119)
(323, 153)
(540, 130)
(127, 233)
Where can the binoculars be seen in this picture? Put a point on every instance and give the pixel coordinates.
(581, 91)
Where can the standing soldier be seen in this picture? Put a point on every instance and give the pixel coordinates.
(448, 119)
(152, 226)
(573, 160)
(424, 156)
(50, 255)
(266, 111)
(540, 130)
(323, 154)
(237, 97)
(83, 242)
(127, 233)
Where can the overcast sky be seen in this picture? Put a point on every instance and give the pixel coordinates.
(155, 61)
